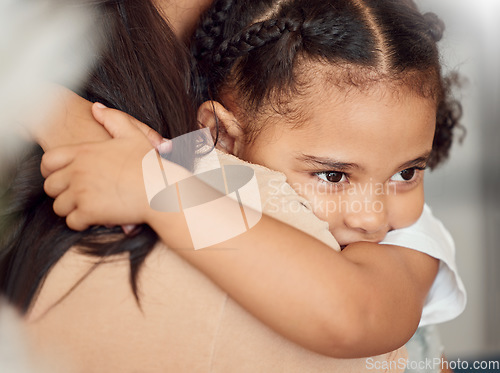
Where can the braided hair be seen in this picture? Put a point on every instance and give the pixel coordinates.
(256, 50)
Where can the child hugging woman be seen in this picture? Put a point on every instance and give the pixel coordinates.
(311, 90)
(334, 99)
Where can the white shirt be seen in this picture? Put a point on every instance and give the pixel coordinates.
(447, 297)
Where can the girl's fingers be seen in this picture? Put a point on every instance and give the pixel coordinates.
(55, 159)
(117, 123)
(64, 204)
(165, 147)
(112, 120)
(55, 184)
(75, 220)
(154, 137)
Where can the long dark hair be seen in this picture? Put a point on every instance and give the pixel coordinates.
(254, 51)
(141, 69)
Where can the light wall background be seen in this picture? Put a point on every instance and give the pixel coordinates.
(464, 192)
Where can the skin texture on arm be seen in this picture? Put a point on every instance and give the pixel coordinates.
(363, 302)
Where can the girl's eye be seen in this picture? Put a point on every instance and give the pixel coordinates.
(405, 175)
(332, 176)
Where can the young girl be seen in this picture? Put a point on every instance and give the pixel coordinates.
(319, 92)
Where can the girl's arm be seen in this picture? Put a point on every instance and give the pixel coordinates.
(364, 301)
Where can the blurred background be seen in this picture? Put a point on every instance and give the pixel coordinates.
(464, 192)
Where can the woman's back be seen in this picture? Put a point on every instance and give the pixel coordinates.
(184, 323)
(99, 326)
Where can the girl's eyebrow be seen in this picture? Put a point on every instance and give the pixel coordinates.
(328, 163)
(333, 164)
(419, 161)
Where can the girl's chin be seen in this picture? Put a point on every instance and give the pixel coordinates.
(343, 244)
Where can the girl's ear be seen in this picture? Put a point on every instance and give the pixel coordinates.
(211, 114)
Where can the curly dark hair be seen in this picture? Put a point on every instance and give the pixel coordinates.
(255, 50)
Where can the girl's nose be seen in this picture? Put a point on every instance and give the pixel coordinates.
(368, 217)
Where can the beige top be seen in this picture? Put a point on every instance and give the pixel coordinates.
(185, 323)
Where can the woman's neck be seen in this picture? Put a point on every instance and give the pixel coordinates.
(182, 14)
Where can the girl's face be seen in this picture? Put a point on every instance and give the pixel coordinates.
(357, 157)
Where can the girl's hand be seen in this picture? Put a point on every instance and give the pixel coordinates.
(100, 183)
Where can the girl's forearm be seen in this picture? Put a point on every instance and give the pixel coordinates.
(363, 302)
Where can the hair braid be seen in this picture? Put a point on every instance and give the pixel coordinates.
(209, 33)
(255, 36)
(208, 36)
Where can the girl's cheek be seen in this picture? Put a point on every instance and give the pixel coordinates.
(328, 208)
(405, 209)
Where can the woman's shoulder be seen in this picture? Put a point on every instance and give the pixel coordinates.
(89, 314)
